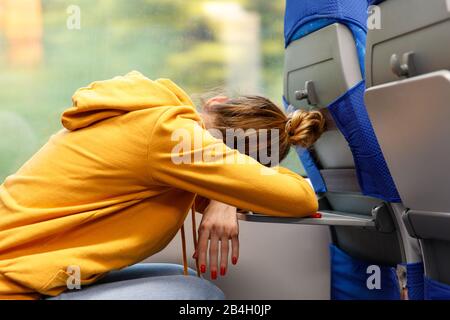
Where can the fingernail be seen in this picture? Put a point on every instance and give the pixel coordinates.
(203, 268)
(234, 260)
(214, 275)
(223, 271)
(316, 215)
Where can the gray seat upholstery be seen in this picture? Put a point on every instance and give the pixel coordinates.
(407, 97)
(328, 59)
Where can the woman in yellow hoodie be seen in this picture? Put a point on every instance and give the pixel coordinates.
(115, 185)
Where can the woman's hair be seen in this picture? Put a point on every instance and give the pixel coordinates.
(300, 128)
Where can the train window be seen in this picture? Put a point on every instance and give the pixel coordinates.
(49, 48)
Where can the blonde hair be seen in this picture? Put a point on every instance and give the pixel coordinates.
(301, 128)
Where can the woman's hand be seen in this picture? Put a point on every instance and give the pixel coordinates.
(219, 225)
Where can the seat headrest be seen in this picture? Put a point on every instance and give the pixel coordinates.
(301, 12)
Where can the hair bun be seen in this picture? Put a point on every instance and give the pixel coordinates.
(305, 127)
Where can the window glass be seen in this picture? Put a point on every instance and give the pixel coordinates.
(49, 48)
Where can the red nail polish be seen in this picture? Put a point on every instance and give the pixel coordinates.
(223, 271)
(316, 215)
(203, 268)
(234, 260)
(214, 275)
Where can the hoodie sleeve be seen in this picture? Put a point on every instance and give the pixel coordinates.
(184, 155)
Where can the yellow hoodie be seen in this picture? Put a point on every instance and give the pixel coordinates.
(104, 193)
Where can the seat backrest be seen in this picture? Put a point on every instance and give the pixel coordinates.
(324, 61)
(328, 58)
(408, 81)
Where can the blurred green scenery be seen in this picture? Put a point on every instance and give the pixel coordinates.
(235, 45)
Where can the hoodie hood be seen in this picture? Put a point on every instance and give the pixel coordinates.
(105, 99)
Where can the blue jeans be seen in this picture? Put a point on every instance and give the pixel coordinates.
(147, 281)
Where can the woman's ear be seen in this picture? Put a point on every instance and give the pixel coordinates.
(217, 100)
(209, 105)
